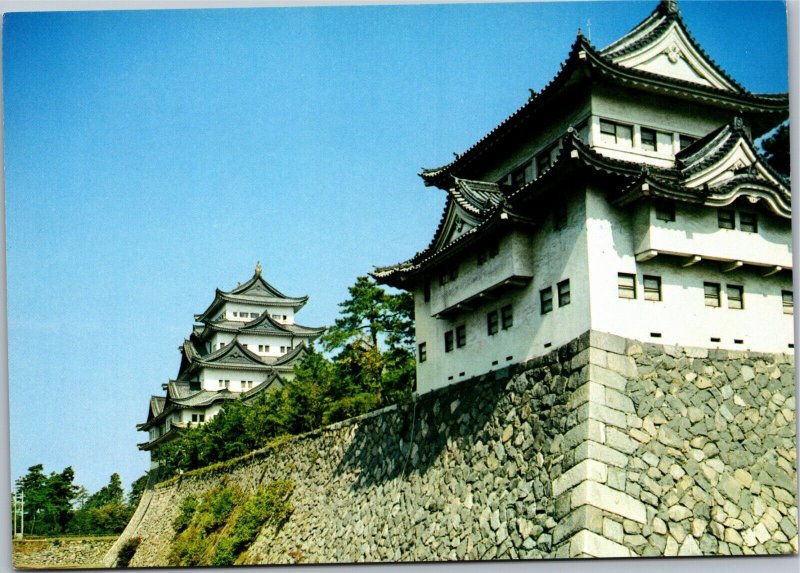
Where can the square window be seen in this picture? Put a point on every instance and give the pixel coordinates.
(735, 296)
(648, 139)
(448, 341)
(202, 418)
(726, 219)
(626, 285)
(748, 222)
(423, 352)
(507, 317)
(788, 301)
(492, 323)
(652, 287)
(546, 299)
(711, 291)
(461, 336)
(665, 211)
(563, 293)
(194, 417)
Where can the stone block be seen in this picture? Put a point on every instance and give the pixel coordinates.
(618, 401)
(583, 518)
(689, 547)
(613, 530)
(620, 441)
(613, 501)
(585, 470)
(624, 365)
(589, 543)
(608, 342)
(586, 430)
(588, 392)
(593, 450)
(605, 377)
(601, 413)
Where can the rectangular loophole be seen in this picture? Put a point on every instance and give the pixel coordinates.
(449, 377)
(715, 339)
(495, 362)
(738, 341)
(548, 344)
(655, 334)
(509, 357)
(461, 373)
(791, 345)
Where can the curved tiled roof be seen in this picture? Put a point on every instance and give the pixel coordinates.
(255, 291)
(264, 324)
(661, 19)
(584, 59)
(635, 178)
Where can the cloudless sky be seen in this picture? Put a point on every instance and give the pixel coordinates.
(153, 156)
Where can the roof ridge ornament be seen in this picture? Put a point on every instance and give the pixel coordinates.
(670, 6)
(258, 268)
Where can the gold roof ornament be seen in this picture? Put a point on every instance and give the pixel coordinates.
(258, 268)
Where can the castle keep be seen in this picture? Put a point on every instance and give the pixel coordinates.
(626, 197)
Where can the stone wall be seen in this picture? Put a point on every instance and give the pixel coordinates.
(58, 553)
(604, 447)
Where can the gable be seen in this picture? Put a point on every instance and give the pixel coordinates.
(740, 158)
(673, 55)
(456, 223)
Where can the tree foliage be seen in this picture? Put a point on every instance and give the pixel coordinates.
(372, 365)
(776, 150)
(55, 505)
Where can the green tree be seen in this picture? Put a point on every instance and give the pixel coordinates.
(776, 150)
(137, 490)
(368, 313)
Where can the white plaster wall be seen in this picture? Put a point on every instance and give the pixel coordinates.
(681, 317)
(253, 341)
(555, 256)
(229, 308)
(674, 117)
(209, 378)
(696, 231)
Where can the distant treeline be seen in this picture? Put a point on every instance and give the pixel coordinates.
(372, 366)
(55, 505)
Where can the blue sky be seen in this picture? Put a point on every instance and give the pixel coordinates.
(153, 156)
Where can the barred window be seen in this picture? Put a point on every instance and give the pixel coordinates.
(461, 336)
(652, 287)
(617, 133)
(711, 291)
(448, 341)
(492, 323)
(788, 301)
(423, 351)
(563, 293)
(726, 219)
(626, 285)
(748, 222)
(648, 139)
(507, 317)
(735, 296)
(546, 299)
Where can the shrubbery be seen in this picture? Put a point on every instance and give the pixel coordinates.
(223, 524)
